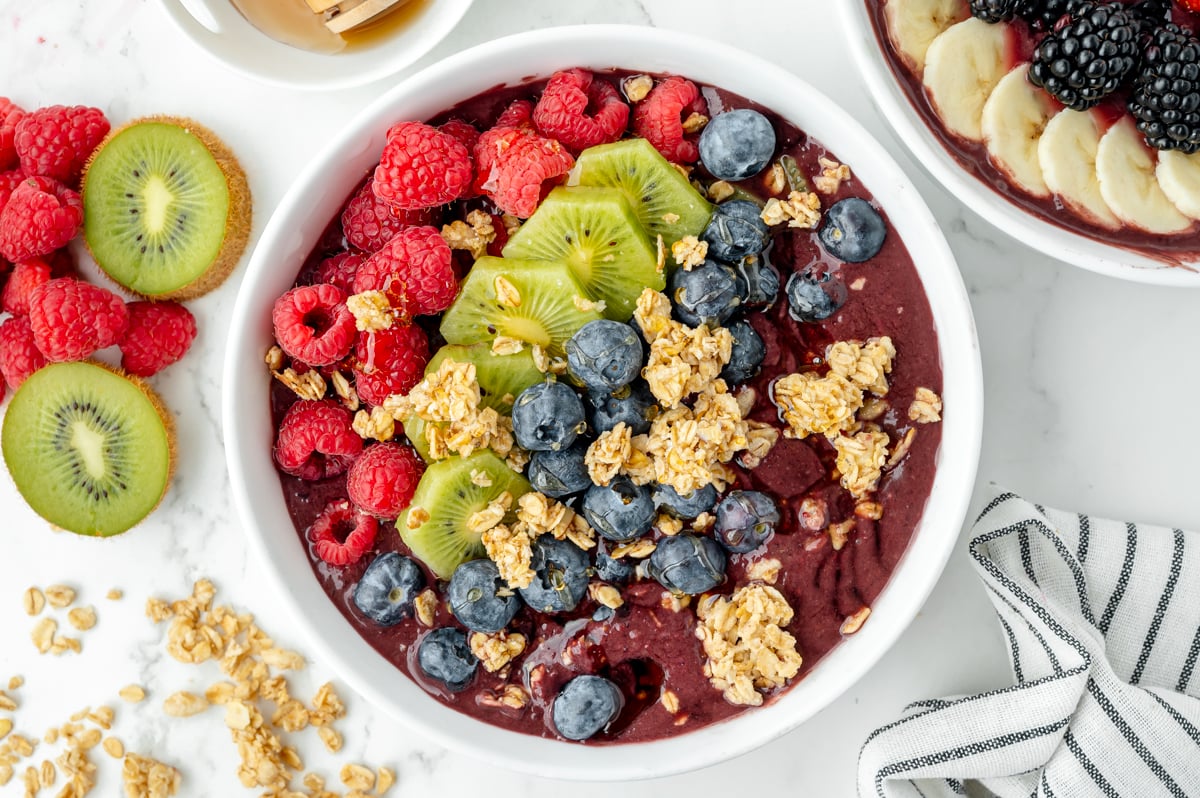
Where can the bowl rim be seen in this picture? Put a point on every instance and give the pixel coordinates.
(344, 70)
(248, 446)
(911, 129)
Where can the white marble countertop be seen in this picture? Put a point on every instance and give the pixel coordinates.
(1079, 373)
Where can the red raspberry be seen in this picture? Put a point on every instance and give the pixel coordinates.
(19, 356)
(421, 167)
(40, 216)
(563, 111)
(514, 164)
(341, 535)
(369, 222)
(10, 115)
(339, 270)
(313, 325)
(414, 269)
(72, 319)
(56, 141)
(26, 276)
(389, 362)
(383, 479)
(159, 334)
(8, 184)
(659, 118)
(465, 132)
(316, 440)
(518, 114)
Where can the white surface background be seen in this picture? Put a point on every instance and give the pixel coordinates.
(1089, 390)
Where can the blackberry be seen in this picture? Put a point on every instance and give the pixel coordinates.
(1166, 93)
(1043, 14)
(1089, 57)
(993, 11)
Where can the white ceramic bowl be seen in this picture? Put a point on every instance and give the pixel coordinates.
(219, 29)
(315, 197)
(1038, 233)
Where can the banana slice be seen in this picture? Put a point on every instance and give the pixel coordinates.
(1179, 177)
(1067, 155)
(962, 67)
(1014, 117)
(913, 24)
(1128, 184)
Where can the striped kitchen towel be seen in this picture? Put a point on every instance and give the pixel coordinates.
(1102, 622)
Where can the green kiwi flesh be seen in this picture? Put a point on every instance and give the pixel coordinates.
(546, 315)
(450, 496)
(657, 191)
(88, 449)
(595, 231)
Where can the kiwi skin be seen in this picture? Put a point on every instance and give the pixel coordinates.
(237, 222)
(168, 424)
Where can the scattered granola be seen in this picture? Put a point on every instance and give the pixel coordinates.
(609, 454)
(833, 174)
(865, 365)
(801, 209)
(669, 701)
(901, 449)
(472, 235)
(506, 345)
(585, 305)
(764, 569)
(682, 359)
(605, 594)
(377, 424)
(309, 385)
(854, 622)
(60, 596)
(115, 594)
(637, 550)
(511, 549)
(511, 696)
(774, 179)
(816, 405)
(148, 778)
(506, 293)
(495, 651)
(33, 601)
(345, 390)
(372, 311)
(636, 87)
(720, 191)
(860, 460)
(839, 533)
(133, 693)
(689, 252)
(694, 123)
(82, 618)
(425, 606)
(926, 407)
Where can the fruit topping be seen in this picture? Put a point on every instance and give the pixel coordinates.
(369, 222)
(1067, 155)
(580, 112)
(445, 657)
(737, 144)
(1129, 185)
(91, 451)
(547, 416)
(159, 334)
(659, 118)
(339, 270)
(1166, 93)
(40, 216)
(853, 231)
(1087, 59)
(474, 594)
(586, 706)
(634, 406)
(746, 520)
(746, 356)
(166, 208)
(387, 589)
(762, 281)
(341, 535)
(688, 507)
(313, 325)
(706, 294)
(316, 440)
(962, 67)
(25, 276)
(560, 579)
(19, 355)
(516, 167)
(1014, 119)
(501, 378)
(620, 511)
(997, 10)
(383, 478)
(421, 167)
(414, 270)
(688, 564)
(72, 319)
(912, 25)
(604, 355)
(390, 361)
(736, 230)
(56, 141)
(10, 115)
(557, 473)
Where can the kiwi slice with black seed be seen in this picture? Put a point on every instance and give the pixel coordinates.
(90, 450)
(664, 200)
(450, 496)
(166, 208)
(539, 304)
(597, 234)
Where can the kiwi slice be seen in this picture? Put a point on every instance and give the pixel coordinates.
(499, 376)
(166, 208)
(89, 449)
(657, 191)
(448, 494)
(541, 311)
(595, 231)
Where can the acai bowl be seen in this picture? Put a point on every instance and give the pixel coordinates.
(481, 711)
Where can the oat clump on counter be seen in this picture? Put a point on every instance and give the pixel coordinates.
(747, 648)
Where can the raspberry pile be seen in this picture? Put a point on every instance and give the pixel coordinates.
(48, 313)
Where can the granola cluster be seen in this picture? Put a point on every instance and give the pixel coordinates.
(472, 235)
(45, 634)
(801, 209)
(682, 359)
(510, 545)
(496, 651)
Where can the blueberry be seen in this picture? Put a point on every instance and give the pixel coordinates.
(688, 564)
(707, 294)
(473, 597)
(698, 501)
(853, 231)
(585, 706)
(747, 355)
(560, 473)
(604, 355)
(620, 510)
(602, 614)
(737, 144)
(387, 588)
(736, 230)
(633, 404)
(762, 281)
(814, 294)
(445, 656)
(560, 575)
(547, 416)
(745, 520)
(609, 570)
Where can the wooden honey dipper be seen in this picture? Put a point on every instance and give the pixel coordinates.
(346, 15)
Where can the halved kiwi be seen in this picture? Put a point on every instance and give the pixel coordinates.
(450, 497)
(597, 234)
(166, 208)
(90, 450)
(543, 310)
(661, 196)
